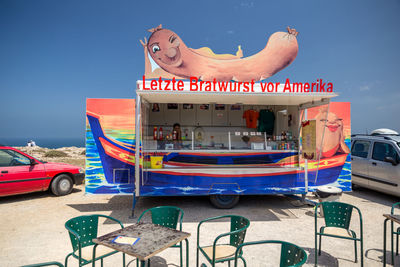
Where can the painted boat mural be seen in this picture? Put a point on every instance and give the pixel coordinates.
(203, 173)
(110, 146)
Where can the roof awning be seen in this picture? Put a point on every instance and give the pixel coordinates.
(246, 98)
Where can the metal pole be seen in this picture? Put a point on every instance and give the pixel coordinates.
(229, 140)
(299, 153)
(305, 162)
(322, 142)
(137, 151)
(192, 140)
(265, 140)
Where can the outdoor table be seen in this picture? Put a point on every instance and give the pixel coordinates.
(153, 239)
(392, 218)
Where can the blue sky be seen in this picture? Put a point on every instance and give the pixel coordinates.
(55, 54)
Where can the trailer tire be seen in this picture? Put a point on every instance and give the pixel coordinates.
(62, 185)
(224, 201)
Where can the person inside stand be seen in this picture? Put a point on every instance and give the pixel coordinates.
(249, 140)
(177, 136)
(246, 140)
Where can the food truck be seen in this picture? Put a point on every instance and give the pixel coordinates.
(223, 139)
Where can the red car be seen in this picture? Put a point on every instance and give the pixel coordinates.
(21, 173)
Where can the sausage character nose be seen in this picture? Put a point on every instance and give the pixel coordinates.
(171, 52)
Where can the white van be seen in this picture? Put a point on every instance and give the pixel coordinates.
(376, 161)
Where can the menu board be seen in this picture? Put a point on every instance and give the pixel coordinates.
(309, 139)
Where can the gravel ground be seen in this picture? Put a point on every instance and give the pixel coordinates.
(32, 226)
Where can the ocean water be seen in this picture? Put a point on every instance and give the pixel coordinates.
(55, 142)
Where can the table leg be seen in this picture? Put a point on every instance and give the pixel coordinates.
(187, 252)
(384, 242)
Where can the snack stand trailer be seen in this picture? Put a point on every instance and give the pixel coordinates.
(217, 153)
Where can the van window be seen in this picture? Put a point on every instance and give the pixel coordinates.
(360, 149)
(383, 150)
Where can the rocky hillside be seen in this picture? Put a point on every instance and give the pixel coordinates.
(72, 155)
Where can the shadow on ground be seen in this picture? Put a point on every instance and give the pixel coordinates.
(255, 208)
(324, 259)
(34, 195)
(373, 196)
(376, 255)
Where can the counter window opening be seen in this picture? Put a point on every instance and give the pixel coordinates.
(257, 135)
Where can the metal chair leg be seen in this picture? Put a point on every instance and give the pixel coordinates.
(197, 257)
(187, 252)
(180, 251)
(320, 243)
(244, 262)
(66, 259)
(397, 244)
(123, 259)
(355, 250)
(316, 249)
(391, 240)
(362, 253)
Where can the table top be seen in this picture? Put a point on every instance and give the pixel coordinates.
(153, 239)
(392, 217)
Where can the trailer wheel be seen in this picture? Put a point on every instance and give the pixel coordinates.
(224, 201)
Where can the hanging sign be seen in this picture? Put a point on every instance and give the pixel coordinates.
(309, 139)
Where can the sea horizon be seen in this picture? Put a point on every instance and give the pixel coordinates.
(46, 142)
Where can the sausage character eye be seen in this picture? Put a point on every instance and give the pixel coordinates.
(156, 48)
(172, 39)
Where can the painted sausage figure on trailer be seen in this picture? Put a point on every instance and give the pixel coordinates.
(205, 124)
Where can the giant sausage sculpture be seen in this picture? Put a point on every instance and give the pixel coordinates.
(169, 51)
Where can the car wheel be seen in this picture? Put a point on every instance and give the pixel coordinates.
(62, 185)
(354, 187)
(224, 201)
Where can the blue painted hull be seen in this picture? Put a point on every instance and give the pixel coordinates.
(120, 170)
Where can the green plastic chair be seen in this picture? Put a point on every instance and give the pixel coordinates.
(50, 263)
(217, 253)
(395, 233)
(82, 230)
(291, 254)
(167, 216)
(337, 216)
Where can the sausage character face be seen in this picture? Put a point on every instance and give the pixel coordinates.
(333, 123)
(163, 47)
(332, 134)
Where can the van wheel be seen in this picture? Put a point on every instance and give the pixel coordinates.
(62, 185)
(224, 201)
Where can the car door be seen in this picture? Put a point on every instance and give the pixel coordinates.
(360, 162)
(384, 175)
(17, 175)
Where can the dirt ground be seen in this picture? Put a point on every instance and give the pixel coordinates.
(32, 226)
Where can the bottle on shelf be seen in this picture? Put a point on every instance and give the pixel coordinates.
(212, 143)
(160, 134)
(174, 136)
(155, 133)
(186, 134)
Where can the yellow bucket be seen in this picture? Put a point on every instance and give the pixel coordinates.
(156, 162)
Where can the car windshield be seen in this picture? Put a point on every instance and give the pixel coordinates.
(398, 144)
